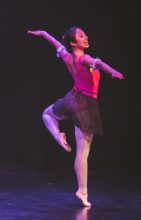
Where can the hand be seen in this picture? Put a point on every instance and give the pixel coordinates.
(117, 75)
(35, 33)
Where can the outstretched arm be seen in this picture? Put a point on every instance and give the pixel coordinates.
(108, 69)
(99, 64)
(52, 41)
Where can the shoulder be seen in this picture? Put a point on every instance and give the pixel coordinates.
(68, 58)
(86, 59)
(89, 61)
(65, 55)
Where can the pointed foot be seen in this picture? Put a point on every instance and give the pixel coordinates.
(63, 142)
(83, 198)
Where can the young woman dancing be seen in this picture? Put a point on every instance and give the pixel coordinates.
(80, 104)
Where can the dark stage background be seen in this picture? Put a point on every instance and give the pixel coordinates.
(33, 78)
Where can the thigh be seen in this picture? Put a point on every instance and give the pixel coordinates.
(82, 137)
(49, 111)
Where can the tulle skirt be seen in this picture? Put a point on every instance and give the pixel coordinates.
(82, 110)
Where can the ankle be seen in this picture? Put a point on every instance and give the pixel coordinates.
(57, 136)
(83, 191)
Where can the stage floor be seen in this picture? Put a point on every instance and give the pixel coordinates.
(115, 195)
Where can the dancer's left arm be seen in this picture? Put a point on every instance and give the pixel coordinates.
(99, 64)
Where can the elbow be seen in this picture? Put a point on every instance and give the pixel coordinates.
(98, 63)
(43, 34)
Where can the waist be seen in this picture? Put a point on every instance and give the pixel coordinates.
(85, 92)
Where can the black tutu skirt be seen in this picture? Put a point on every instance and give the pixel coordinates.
(82, 110)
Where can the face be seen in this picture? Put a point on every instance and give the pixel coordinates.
(81, 40)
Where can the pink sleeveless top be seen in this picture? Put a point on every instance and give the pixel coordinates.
(86, 80)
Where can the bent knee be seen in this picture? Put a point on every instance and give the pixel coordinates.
(43, 115)
(47, 111)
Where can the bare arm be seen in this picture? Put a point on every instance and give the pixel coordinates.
(108, 69)
(52, 41)
(99, 64)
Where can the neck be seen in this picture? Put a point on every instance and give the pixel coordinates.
(77, 52)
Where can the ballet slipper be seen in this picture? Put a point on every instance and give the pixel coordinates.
(83, 198)
(62, 141)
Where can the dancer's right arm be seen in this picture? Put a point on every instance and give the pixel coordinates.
(63, 53)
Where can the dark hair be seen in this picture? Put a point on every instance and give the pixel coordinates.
(69, 36)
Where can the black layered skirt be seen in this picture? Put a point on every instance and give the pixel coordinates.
(82, 110)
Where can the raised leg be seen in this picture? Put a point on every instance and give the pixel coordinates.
(52, 124)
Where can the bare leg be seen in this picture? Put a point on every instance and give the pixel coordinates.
(83, 141)
(52, 124)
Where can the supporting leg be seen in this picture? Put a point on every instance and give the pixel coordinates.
(83, 142)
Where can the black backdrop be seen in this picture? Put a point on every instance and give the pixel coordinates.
(33, 78)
